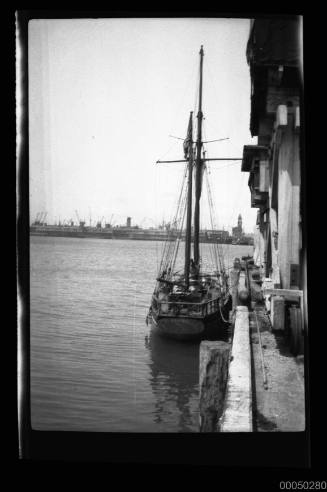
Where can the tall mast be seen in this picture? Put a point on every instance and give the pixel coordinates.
(188, 233)
(198, 171)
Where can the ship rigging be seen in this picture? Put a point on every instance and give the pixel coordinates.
(192, 303)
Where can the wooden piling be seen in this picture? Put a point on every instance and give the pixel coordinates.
(242, 290)
(214, 360)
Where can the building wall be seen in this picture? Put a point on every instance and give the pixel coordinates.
(274, 164)
(288, 204)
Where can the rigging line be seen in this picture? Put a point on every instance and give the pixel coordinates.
(156, 208)
(233, 145)
(205, 171)
(211, 255)
(214, 258)
(227, 165)
(216, 140)
(212, 80)
(177, 205)
(177, 244)
(211, 86)
(178, 109)
(221, 167)
(179, 236)
(210, 214)
(218, 246)
(167, 248)
(181, 200)
(196, 98)
(166, 153)
(157, 256)
(213, 219)
(211, 249)
(213, 225)
(205, 135)
(221, 314)
(177, 226)
(168, 252)
(186, 91)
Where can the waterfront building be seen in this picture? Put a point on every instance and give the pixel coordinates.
(274, 166)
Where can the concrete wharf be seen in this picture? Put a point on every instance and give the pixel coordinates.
(259, 385)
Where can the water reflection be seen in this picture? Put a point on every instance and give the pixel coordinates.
(174, 378)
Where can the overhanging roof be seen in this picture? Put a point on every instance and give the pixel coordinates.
(249, 153)
(275, 41)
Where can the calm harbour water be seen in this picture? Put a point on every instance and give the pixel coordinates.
(95, 364)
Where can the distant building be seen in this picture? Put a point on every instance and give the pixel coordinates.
(129, 222)
(237, 232)
(221, 236)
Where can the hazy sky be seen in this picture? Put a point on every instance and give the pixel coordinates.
(104, 96)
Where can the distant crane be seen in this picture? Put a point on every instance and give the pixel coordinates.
(147, 222)
(110, 223)
(80, 222)
(40, 218)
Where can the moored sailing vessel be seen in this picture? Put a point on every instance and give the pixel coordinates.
(193, 303)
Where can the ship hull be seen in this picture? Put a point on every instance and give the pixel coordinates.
(186, 328)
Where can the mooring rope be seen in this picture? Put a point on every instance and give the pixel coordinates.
(221, 314)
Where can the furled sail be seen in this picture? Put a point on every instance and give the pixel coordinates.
(188, 141)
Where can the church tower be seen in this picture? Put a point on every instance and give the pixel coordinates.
(239, 222)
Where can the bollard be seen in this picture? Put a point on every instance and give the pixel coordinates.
(214, 360)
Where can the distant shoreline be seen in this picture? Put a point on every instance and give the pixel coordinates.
(137, 235)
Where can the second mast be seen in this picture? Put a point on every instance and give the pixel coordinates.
(198, 171)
